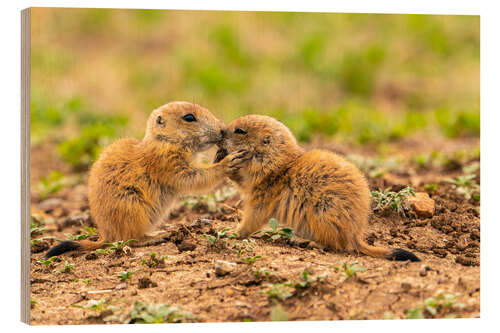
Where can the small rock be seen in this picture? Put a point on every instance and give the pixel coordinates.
(224, 267)
(50, 204)
(422, 204)
(462, 242)
(405, 286)
(91, 256)
(198, 223)
(466, 261)
(121, 286)
(146, 283)
(424, 270)
(186, 246)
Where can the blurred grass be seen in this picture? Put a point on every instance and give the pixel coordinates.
(361, 78)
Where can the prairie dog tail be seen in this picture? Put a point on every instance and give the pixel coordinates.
(66, 246)
(389, 254)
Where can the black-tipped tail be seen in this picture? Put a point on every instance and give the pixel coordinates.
(402, 255)
(62, 247)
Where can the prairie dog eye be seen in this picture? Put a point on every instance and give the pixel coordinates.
(189, 118)
(240, 131)
(160, 120)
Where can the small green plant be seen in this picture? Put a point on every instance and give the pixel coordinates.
(85, 232)
(88, 230)
(262, 272)
(349, 270)
(282, 291)
(155, 314)
(246, 245)
(48, 262)
(422, 161)
(431, 187)
(102, 251)
(274, 233)
(219, 235)
(306, 280)
(99, 306)
(471, 168)
(154, 260)
(35, 241)
(279, 291)
(76, 237)
(443, 304)
(250, 260)
(124, 276)
(37, 225)
(67, 267)
(119, 246)
(51, 184)
(87, 281)
(466, 186)
(396, 201)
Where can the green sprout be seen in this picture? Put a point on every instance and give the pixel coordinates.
(466, 186)
(279, 291)
(154, 260)
(67, 267)
(262, 272)
(219, 235)
(349, 270)
(444, 303)
(119, 246)
(395, 201)
(48, 262)
(155, 314)
(51, 184)
(274, 233)
(125, 275)
(251, 260)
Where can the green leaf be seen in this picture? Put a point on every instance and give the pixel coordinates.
(273, 223)
(415, 313)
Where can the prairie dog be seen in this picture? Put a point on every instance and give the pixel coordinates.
(319, 194)
(133, 182)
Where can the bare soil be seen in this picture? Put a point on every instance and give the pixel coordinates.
(448, 244)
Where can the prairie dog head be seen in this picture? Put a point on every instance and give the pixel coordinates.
(269, 143)
(186, 124)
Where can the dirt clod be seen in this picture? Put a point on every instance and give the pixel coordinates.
(49, 205)
(186, 246)
(223, 268)
(146, 283)
(422, 205)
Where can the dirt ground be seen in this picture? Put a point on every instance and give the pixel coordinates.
(448, 243)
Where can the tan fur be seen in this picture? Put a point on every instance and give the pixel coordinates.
(133, 182)
(319, 194)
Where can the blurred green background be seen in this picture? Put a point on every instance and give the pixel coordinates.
(356, 78)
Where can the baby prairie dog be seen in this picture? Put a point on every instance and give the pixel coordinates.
(133, 182)
(319, 194)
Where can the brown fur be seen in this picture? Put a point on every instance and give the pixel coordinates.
(133, 182)
(319, 194)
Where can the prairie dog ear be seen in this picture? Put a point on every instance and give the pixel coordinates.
(160, 121)
(266, 140)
